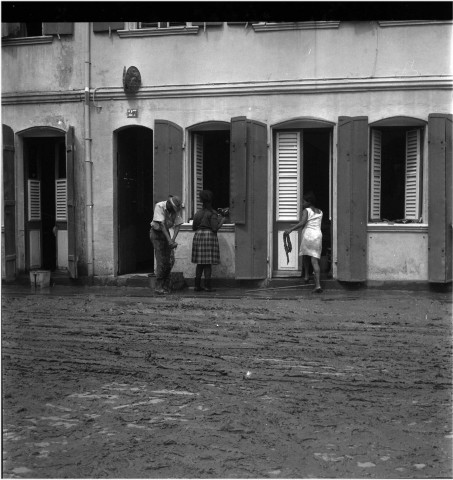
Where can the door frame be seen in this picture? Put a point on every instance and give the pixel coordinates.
(299, 124)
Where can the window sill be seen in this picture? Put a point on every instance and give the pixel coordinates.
(276, 27)
(154, 32)
(226, 227)
(412, 23)
(398, 227)
(14, 42)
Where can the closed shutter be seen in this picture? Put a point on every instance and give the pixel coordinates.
(198, 154)
(412, 190)
(352, 173)
(61, 198)
(440, 198)
(251, 237)
(71, 204)
(168, 167)
(9, 203)
(107, 26)
(34, 200)
(238, 169)
(54, 28)
(288, 150)
(375, 183)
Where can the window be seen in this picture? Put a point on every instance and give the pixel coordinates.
(211, 166)
(34, 32)
(20, 30)
(395, 193)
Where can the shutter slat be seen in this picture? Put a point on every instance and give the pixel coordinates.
(376, 143)
(34, 200)
(198, 168)
(411, 208)
(61, 207)
(288, 181)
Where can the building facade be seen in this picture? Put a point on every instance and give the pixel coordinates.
(102, 120)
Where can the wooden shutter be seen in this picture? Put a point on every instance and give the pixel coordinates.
(288, 151)
(352, 173)
(53, 28)
(198, 168)
(34, 200)
(238, 169)
(168, 168)
(440, 198)
(412, 188)
(9, 203)
(251, 237)
(375, 183)
(107, 26)
(71, 204)
(61, 198)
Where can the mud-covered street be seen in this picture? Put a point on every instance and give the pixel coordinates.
(348, 384)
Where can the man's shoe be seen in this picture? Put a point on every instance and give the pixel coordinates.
(198, 289)
(160, 291)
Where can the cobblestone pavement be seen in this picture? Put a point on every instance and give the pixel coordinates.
(117, 383)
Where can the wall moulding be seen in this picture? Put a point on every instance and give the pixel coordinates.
(309, 86)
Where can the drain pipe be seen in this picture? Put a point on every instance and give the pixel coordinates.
(88, 162)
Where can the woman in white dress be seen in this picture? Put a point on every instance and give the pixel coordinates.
(311, 243)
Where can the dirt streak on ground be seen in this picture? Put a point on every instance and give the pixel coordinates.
(340, 386)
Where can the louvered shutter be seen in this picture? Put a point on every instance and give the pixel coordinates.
(352, 174)
(71, 204)
(198, 167)
(107, 26)
(375, 184)
(54, 28)
(412, 190)
(34, 200)
(289, 181)
(238, 170)
(61, 198)
(440, 182)
(251, 236)
(168, 167)
(9, 203)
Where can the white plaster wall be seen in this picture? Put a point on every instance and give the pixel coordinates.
(183, 254)
(401, 256)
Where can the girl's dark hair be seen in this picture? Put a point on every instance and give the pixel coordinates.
(205, 196)
(310, 198)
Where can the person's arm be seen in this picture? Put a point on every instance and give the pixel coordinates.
(301, 224)
(215, 222)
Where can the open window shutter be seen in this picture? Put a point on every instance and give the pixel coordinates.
(352, 173)
(440, 198)
(34, 200)
(412, 190)
(54, 28)
(288, 150)
(238, 169)
(198, 154)
(61, 199)
(9, 203)
(107, 26)
(168, 168)
(71, 204)
(375, 184)
(251, 236)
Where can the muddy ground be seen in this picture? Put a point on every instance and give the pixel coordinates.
(342, 385)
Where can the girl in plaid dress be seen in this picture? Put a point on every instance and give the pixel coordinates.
(205, 245)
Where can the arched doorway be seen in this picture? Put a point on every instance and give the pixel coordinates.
(134, 188)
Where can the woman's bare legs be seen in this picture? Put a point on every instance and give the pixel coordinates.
(316, 273)
(306, 262)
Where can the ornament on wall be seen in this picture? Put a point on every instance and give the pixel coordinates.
(131, 79)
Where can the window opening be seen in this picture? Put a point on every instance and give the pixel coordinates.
(395, 193)
(211, 166)
(20, 30)
(161, 24)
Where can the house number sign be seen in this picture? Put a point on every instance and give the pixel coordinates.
(132, 112)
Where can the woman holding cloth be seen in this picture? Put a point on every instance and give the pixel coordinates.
(205, 245)
(311, 243)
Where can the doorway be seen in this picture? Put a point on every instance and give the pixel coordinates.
(302, 162)
(134, 200)
(45, 202)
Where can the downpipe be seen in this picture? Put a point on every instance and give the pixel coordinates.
(88, 161)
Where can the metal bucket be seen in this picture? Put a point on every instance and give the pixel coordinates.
(40, 278)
